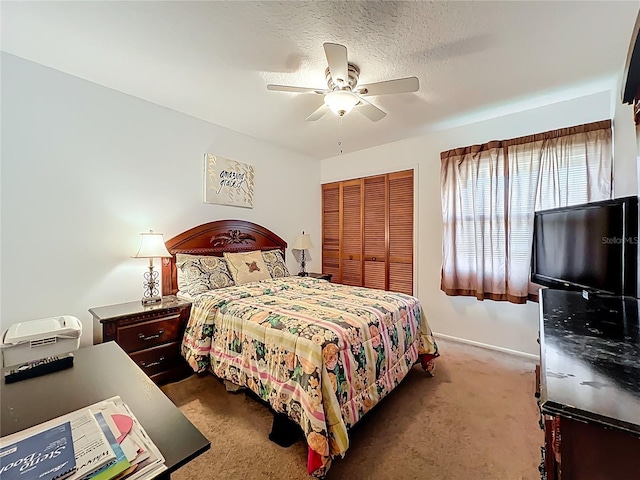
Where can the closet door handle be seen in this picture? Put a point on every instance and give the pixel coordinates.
(374, 259)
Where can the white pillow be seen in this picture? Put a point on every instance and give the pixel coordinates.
(247, 267)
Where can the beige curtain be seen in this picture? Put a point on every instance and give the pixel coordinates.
(490, 193)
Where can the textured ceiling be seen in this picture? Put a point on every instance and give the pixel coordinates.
(212, 60)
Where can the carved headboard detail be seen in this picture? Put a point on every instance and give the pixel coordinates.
(215, 238)
(231, 237)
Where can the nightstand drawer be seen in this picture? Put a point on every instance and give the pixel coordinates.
(158, 359)
(148, 334)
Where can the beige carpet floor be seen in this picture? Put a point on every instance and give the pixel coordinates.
(476, 419)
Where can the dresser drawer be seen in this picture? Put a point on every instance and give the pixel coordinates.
(157, 359)
(151, 333)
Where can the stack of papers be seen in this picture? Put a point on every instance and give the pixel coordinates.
(108, 443)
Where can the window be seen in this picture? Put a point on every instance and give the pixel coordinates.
(490, 193)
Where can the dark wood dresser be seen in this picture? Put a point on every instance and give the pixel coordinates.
(151, 335)
(589, 386)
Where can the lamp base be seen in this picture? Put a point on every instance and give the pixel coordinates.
(303, 274)
(151, 300)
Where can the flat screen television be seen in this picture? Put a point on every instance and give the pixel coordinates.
(591, 247)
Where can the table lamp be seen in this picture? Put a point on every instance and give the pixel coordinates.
(303, 243)
(151, 246)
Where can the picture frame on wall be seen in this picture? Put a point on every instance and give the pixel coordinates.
(228, 182)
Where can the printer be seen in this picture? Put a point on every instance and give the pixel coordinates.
(37, 339)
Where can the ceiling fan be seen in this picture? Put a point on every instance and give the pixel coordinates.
(343, 92)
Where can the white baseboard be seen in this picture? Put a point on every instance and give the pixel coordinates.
(518, 353)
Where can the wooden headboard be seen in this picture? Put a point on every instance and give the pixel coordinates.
(213, 239)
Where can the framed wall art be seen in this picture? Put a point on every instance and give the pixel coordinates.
(227, 182)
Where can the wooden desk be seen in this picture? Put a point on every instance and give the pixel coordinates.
(98, 373)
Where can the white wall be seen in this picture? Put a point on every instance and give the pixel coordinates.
(624, 150)
(86, 168)
(498, 324)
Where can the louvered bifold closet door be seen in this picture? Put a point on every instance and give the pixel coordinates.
(375, 232)
(331, 230)
(351, 241)
(401, 232)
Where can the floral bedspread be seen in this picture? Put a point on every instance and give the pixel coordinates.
(322, 353)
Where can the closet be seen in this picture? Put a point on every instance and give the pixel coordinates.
(367, 231)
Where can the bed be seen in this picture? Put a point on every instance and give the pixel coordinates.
(320, 353)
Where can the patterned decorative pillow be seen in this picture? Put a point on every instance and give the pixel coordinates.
(247, 267)
(275, 263)
(201, 273)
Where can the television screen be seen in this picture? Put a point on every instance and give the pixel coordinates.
(591, 246)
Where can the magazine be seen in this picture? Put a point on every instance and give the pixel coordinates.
(121, 463)
(145, 458)
(93, 452)
(91, 446)
(46, 455)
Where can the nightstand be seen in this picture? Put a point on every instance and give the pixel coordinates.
(321, 276)
(151, 335)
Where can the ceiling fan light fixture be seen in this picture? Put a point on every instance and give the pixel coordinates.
(341, 102)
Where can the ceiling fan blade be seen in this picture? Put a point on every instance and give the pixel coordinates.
(337, 60)
(370, 111)
(400, 85)
(288, 88)
(322, 109)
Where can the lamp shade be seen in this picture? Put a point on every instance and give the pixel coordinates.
(341, 101)
(151, 246)
(303, 242)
